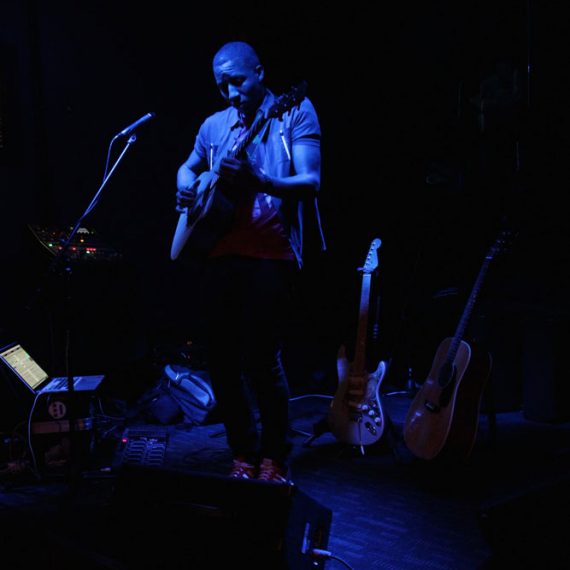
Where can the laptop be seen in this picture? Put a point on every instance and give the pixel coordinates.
(36, 379)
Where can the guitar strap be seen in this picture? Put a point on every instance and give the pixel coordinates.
(253, 146)
(261, 202)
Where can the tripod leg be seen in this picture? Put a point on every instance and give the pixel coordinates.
(319, 428)
(395, 441)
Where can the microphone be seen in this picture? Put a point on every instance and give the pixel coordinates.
(131, 128)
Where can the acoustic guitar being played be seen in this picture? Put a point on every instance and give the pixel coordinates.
(200, 226)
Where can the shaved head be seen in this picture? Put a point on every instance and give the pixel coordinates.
(237, 50)
(239, 77)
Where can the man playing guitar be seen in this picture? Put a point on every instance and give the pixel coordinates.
(267, 168)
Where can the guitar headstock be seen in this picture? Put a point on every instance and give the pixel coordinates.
(371, 262)
(287, 101)
(501, 244)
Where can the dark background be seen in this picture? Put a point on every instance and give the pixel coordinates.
(404, 159)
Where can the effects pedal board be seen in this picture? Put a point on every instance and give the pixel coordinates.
(143, 446)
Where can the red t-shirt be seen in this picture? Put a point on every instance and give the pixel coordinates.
(256, 232)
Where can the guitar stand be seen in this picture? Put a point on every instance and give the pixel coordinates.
(322, 426)
(319, 428)
(489, 400)
(410, 389)
(396, 443)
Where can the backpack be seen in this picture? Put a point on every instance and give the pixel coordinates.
(181, 395)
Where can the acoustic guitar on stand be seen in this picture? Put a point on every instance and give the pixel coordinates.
(443, 417)
(201, 225)
(356, 416)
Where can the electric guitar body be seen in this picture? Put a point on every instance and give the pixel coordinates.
(356, 415)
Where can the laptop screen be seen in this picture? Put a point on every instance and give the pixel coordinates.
(23, 365)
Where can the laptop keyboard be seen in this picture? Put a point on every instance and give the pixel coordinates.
(79, 383)
(60, 383)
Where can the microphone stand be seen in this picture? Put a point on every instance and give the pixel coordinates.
(64, 261)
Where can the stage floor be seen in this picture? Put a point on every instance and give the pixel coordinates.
(375, 507)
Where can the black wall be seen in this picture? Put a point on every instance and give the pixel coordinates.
(402, 160)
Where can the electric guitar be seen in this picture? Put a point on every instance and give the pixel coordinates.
(443, 417)
(356, 416)
(200, 226)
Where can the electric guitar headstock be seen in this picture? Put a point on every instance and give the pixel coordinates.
(371, 262)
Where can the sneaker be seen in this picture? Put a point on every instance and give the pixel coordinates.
(241, 469)
(271, 471)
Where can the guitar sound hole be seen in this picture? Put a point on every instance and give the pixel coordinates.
(446, 374)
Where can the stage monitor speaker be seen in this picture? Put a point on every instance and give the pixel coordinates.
(528, 529)
(182, 520)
